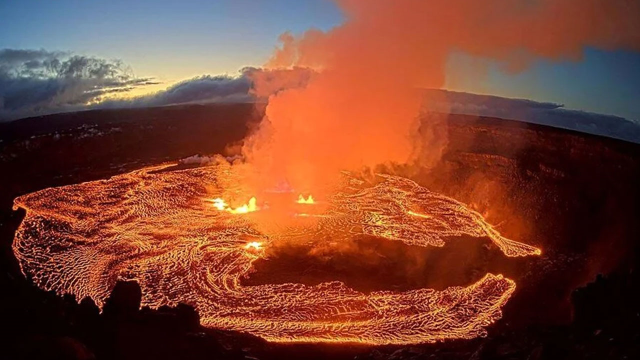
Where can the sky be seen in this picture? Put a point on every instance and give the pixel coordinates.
(172, 41)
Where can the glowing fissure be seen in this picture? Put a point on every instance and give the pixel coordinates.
(309, 200)
(222, 205)
(256, 245)
(153, 227)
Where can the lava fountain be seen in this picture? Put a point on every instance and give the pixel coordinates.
(171, 231)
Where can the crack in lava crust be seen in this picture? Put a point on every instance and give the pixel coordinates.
(152, 225)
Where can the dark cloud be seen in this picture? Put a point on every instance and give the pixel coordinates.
(34, 82)
(17, 56)
(202, 89)
(221, 88)
(543, 113)
(39, 82)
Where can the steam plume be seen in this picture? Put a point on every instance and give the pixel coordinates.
(361, 107)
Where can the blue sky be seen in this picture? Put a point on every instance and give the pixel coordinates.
(173, 41)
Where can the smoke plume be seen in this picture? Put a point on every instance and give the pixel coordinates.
(361, 106)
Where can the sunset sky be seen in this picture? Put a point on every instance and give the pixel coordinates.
(173, 41)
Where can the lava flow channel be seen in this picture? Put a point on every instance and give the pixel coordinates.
(153, 226)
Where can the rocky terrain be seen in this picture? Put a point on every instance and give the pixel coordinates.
(573, 195)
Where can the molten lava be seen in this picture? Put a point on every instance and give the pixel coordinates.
(255, 245)
(222, 205)
(302, 200)
(152, 226)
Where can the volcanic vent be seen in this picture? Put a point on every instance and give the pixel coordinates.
(160, 227)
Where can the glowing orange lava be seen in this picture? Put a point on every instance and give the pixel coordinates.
(256, 245)
(302, 200)
(152, 226)
(221, 205)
